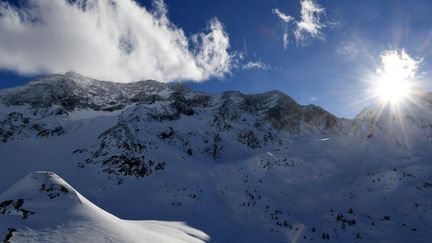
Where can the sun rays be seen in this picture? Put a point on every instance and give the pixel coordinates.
(395, 77)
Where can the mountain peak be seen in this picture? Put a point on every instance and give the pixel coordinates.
(73, 74)
(40, 184)
(418, 103)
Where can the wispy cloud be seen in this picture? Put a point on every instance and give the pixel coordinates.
(348, 51)
(111, 40)
(256, 65)
(286, 19)
(310, 24)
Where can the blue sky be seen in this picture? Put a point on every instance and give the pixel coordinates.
(331, 71)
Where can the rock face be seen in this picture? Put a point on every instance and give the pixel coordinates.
(16, 124)
(73, 91)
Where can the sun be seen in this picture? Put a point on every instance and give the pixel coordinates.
(392, 90)
(394, 79)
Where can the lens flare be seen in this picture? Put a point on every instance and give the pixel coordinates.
(391, 90)
(395, 77)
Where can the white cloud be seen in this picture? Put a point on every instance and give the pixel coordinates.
(397, 64)
(285, 39)
(256, 65)
(310, 23)
(107, 39)
(286, 19)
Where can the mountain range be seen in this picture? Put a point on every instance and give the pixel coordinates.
(233, 167)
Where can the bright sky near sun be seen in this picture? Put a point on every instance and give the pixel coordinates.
(395, 77)
(341, 55)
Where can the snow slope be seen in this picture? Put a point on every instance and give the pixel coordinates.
(240, 167)
(43, 207)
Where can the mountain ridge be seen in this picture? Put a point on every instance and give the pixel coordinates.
(73, 91)
(44, 202)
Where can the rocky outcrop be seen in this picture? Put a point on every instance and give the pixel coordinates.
(18, 126)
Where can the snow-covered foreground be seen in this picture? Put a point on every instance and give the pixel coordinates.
(43, 207)
(241, 168)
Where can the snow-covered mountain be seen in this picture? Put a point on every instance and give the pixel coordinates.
(408, 125)
(43, 207)
(239, 167)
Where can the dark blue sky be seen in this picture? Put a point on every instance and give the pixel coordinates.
(331, 72)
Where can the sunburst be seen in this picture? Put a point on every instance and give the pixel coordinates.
(395, 77)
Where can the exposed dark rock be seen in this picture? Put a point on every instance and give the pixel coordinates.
(167, 134)
(9, 235)
(7, 207)
(214, 149)
(248, 138)
(285, 115)
(180, 104)
(318, 117)
(17, 125)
